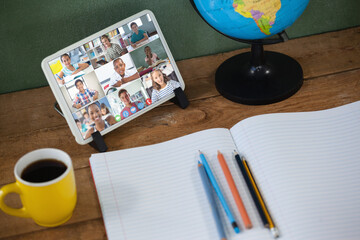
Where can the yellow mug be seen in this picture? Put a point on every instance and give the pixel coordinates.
(48, 202)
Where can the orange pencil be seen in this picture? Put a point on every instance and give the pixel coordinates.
(234, 191)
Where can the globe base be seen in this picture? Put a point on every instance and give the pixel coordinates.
(258, 77)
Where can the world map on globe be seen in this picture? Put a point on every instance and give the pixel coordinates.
(250, 19)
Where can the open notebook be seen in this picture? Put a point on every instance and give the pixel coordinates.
(306, 165)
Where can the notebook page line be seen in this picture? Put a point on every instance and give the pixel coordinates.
(138, 189)
(336, 141)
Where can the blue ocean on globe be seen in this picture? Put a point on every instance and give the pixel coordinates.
(250, 19)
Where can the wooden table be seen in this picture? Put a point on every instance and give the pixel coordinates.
(332, 78)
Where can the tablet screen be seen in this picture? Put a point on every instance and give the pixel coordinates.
(115, 76)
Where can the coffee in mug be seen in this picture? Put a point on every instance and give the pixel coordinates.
(45, 182)
(43, 170)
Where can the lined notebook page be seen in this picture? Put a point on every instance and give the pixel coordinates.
(155, 192)
(307, 166)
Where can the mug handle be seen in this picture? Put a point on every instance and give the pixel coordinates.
(5, 190)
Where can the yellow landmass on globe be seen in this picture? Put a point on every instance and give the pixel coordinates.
(262, 11)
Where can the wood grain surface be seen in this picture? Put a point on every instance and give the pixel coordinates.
(28, 121)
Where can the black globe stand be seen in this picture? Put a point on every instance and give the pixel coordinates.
(258, 77)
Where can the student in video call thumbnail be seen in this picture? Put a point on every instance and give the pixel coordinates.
(130, 107)
(104, 111)
(87, 119)
(82, 127)
(99, 123)
(84, 96)
(151, 57)
(138, 35)
(121, 75)
(112, 50)
(69, 69)
(162, 85)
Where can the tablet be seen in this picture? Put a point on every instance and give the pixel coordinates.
(113, 76)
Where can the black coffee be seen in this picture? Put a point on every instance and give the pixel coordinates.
(43, 170)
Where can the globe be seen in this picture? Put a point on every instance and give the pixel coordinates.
(250, 19)
(257, 77)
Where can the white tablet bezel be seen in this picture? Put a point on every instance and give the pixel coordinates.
(60, 98)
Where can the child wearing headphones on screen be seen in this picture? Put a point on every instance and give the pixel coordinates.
(162, 85)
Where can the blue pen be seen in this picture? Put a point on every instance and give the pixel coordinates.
(58, 76)
(210, 197)
(219, 193)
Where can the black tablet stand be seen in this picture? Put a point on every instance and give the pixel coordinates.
(180, 98)
(98, 142)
